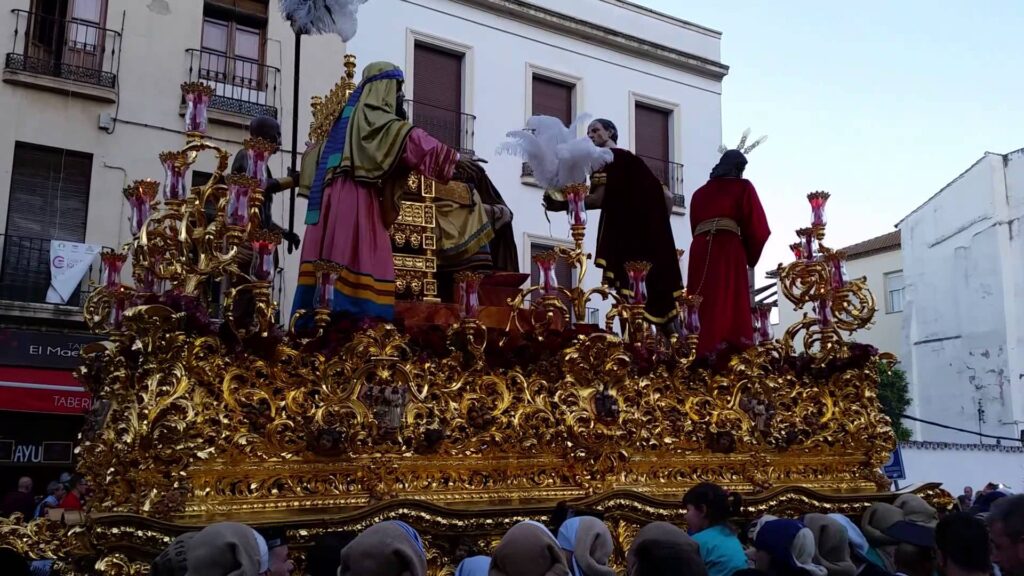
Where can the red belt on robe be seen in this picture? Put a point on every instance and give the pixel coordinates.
(717, 224)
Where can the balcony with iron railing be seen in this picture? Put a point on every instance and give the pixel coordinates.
(671, 176)
(242, 88)
(451, 127)
(25, 277)
(63, 54)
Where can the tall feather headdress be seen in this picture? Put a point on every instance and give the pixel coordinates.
(742, 146)
(558, 158)
(323, 16)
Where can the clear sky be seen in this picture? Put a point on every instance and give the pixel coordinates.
(879, 102)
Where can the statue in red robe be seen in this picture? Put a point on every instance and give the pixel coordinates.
(729, 231)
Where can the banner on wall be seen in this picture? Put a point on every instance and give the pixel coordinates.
(69, 263)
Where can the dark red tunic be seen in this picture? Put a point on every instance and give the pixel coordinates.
(721, 278)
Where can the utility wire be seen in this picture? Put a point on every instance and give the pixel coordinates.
(971, 432)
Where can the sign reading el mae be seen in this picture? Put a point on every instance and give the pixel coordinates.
(52, 350)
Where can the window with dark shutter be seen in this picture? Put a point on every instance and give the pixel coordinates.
(652, 138)
(437, 93)
(49, 200)
(552, 98)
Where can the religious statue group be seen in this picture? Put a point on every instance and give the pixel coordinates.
(357, 176)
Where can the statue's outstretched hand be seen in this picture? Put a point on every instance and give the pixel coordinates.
(467, 170)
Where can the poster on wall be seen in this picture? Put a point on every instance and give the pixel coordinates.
(69, 263)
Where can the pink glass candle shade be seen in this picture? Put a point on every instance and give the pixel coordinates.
(175, 176)
(197, 103)
(764, 323)
(140, 195)
(472, 290)
(326, 277)
(691, 315)
(818, 201)
(839, 275)
(117, 308)
(259, 152)
(112, 265)
(637, 273)
(239, 199)
(546, 263)
(576, 196)
(263, 268)
(807, 242)
(823, 309)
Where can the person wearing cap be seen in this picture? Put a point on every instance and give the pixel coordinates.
(474, 566)
(226, 549)
(963, 546)
(915, 551)
(832, 545)
(875, 521)
(390, 548)
(1006, 533)
(662, 549)
(859, 549)
(277, 549)
(528, 549)
(587, 545)
(785, 548)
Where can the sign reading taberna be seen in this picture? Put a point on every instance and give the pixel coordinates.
(53, 350)
(69, 263)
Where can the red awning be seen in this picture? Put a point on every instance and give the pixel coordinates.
(41, 390)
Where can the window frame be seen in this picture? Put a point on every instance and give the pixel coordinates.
(234, 20)
(550, 74)
(890, 308)
(413, 37)
(675, 132)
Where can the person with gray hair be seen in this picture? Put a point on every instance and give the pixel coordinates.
(55, 492)
(1006, 533)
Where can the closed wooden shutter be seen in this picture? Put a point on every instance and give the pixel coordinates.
(49, 200)
(652, 138)
(552, 98)
(253, 8)
(437, 93)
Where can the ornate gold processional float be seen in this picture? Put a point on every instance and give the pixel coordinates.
(461, 430)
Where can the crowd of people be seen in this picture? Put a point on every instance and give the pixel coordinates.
(906, 538)
(66, 493)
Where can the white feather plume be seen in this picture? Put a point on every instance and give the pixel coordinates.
(558, 158)
(323, 16)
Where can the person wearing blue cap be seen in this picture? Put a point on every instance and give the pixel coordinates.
(785, 548)
(915, 553)
(474, 566)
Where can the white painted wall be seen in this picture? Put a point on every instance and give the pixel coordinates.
(496, 82)
(959, 465)
(886, 333)
(962, 253)
(154, 64)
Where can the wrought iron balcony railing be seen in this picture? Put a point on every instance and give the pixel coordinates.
(671, 176)
(451, 127)
(66, 48)
(242, 86)
(25, 271)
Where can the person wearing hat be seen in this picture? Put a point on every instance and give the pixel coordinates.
(528, 549)
(1006, 532)
(785, 548)
(962, 543)
(662, 549)
(226, 549)
(915, 551)
(474, 566)
(832, 545)
(172, 561)
(859, 548)
(587, 545)
(390, 548)
(915, 509)
(277, 548)
(875, 521)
